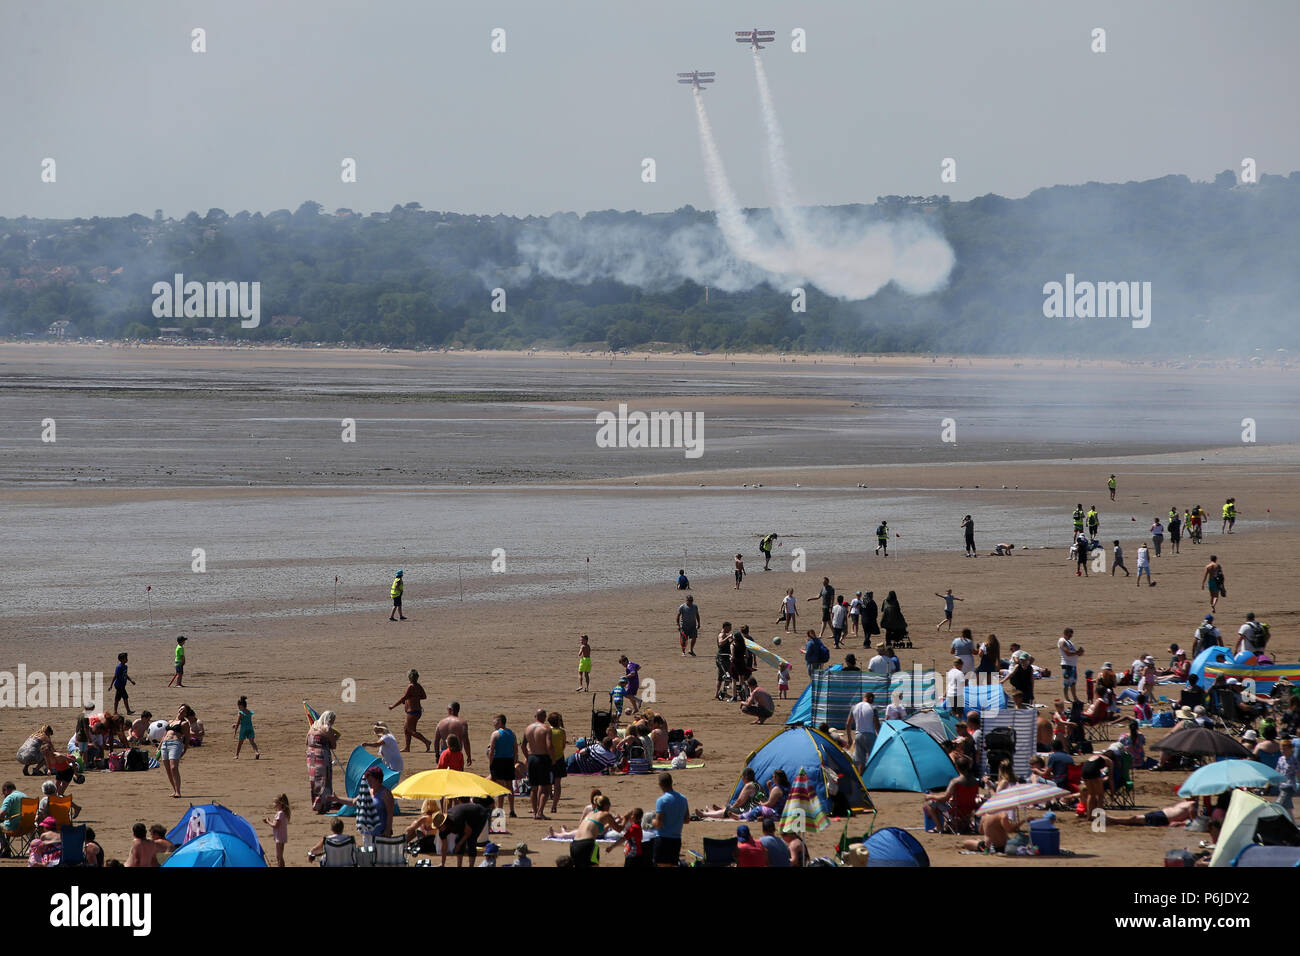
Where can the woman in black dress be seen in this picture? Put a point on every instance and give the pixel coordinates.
(869, 624)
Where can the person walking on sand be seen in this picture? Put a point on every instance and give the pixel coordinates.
(882, 538)
(1229, 515)
(1094, 521)
(584, 664)
(839, 620)
(1119, 560)
(765, 546)
(688, 624)
(1077, 518)
(968, 525)
(740, 570)
(1213, 579)
(414, 710)
(120, 680)
(1070, 654)
(870, 624)
(855, 614)
(243, 728)
(790, 610)
(1081, 548)
(947, 609)
(179, 676)
(1157, 534)
(1111, 485)
(1175, 527)
(395, 591)
(827, 595)
(1144, 564)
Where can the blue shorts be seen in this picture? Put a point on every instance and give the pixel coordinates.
(1069, 675)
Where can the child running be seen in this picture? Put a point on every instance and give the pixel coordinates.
(279, 825)
(584, 665)
(243, 727)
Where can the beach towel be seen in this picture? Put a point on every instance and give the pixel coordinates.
(668, 765)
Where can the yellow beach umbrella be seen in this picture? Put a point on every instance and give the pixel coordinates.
(436, 784)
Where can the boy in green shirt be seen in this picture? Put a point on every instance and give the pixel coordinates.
(179, 677)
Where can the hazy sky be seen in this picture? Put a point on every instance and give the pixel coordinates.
(586, 90)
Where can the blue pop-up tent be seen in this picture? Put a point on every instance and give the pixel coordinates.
(214, 818)
(216, 849)
(906, 758)
(1218, 654)
(359, 762)
(811, 750)
(894, 847)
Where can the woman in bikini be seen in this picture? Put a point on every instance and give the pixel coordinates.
(593, 826)
(173, 747)
(414, 709)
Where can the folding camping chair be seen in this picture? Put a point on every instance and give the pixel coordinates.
(390, 851)
(19, 840)
(1119, 792)
(718, 853)
(1097, 728)
(61, 809)
(74, 845)
(1226, 714)
(340, 851)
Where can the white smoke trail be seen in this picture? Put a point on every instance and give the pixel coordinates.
(778, 167)
(731, 218)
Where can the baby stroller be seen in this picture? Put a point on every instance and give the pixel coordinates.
(600, 719)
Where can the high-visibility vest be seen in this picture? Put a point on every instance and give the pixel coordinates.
(1111, 484)
(1093, 518)
(396, 589)
(1078, 519)
(1227, 510)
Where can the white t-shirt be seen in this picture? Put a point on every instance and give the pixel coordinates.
(956, 682)
(1144, 558)
(390, 753)
(879, 665)
(863, 718)
(1069, 656)
(855, 607)
(838, 614)
(895, 711)
(790, 605)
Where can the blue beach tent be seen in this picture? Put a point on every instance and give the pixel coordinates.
(216, 849)
(820, 756)
(906, 758)
(359, 762)
(213, 818)
(894, 847)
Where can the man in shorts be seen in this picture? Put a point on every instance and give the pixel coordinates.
(503, 750)
(765, 545)
(1070, 654)
(1213, 579)
(537, 750)
(688, 624)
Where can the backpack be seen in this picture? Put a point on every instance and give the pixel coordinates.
(1261, 636)
(137, 759)
(999, 745)
(821, 653)
(1205, 639)
(880, 531)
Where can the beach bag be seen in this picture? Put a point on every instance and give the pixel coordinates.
(115, 762)
(1163, 719)
(136, 759)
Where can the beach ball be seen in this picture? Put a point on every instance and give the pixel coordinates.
(157, 729)
(776, 640)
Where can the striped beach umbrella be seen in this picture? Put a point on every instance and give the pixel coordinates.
(1024, 795)
(803, 811)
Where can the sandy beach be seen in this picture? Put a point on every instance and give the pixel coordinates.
(262, 627)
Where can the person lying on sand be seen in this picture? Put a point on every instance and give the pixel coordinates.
(1179, 813)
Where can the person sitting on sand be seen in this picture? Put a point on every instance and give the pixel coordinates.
(144, 852)
(1179, 813)
(995, 829)
(749, 797)
(760, 806)
(139, 732)
(593, 758)
(423, 831)
(659, 737)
